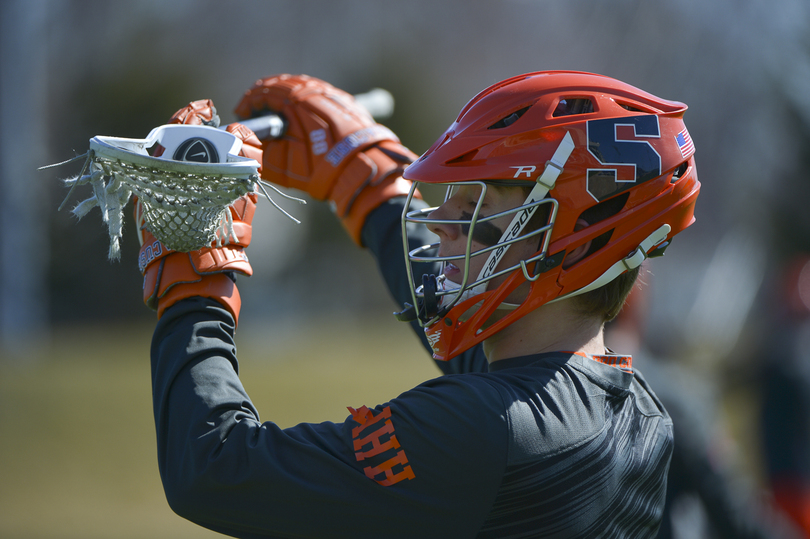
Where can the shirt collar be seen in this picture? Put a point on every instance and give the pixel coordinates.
(623, 362)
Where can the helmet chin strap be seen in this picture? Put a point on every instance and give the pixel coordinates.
(446, 285)
(630, 262)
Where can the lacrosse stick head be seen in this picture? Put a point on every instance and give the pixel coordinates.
(184, 187)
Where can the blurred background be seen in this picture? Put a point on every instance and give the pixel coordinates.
(713, 328)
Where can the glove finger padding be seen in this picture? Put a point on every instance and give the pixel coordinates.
(332, 148)
(200, 112)
(325, 126)
(203, 112)
(251, 145)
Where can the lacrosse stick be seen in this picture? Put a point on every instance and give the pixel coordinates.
(185, 195)
(186, 191)
(378, 102)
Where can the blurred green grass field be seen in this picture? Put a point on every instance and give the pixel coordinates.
(77, 449)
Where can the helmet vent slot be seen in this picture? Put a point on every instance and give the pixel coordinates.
(680, 171)
(570, 106)
(506, 121)
(634, 108)
(469, 156)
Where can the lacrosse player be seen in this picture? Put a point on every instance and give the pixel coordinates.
(558, 186)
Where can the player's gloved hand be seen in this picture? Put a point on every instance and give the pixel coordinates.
(332, 147)
(201, 112)
(171, 276)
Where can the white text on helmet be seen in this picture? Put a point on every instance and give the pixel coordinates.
(524, 169)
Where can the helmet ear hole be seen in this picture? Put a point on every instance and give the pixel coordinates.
(597, 213)
(605, 209)
(599, 241)
(577, 255)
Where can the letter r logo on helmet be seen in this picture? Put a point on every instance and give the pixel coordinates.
(524, 171)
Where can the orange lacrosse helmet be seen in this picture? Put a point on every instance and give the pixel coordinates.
(586, 147)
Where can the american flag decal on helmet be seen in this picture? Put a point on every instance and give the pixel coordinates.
(685, 143)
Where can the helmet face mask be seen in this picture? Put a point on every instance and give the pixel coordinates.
(605, 167)
(486, 240)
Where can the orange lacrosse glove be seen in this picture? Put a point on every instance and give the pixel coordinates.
(171, 276)
(332, 147)
(201, 112)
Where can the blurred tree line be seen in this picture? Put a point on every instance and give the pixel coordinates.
(118, 68)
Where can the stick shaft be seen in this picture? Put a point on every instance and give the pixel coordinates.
(379, 103)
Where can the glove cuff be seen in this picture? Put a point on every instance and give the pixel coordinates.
(371, 178)
(219, 287)
(177, 276)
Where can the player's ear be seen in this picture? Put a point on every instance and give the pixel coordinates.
(579, 253)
